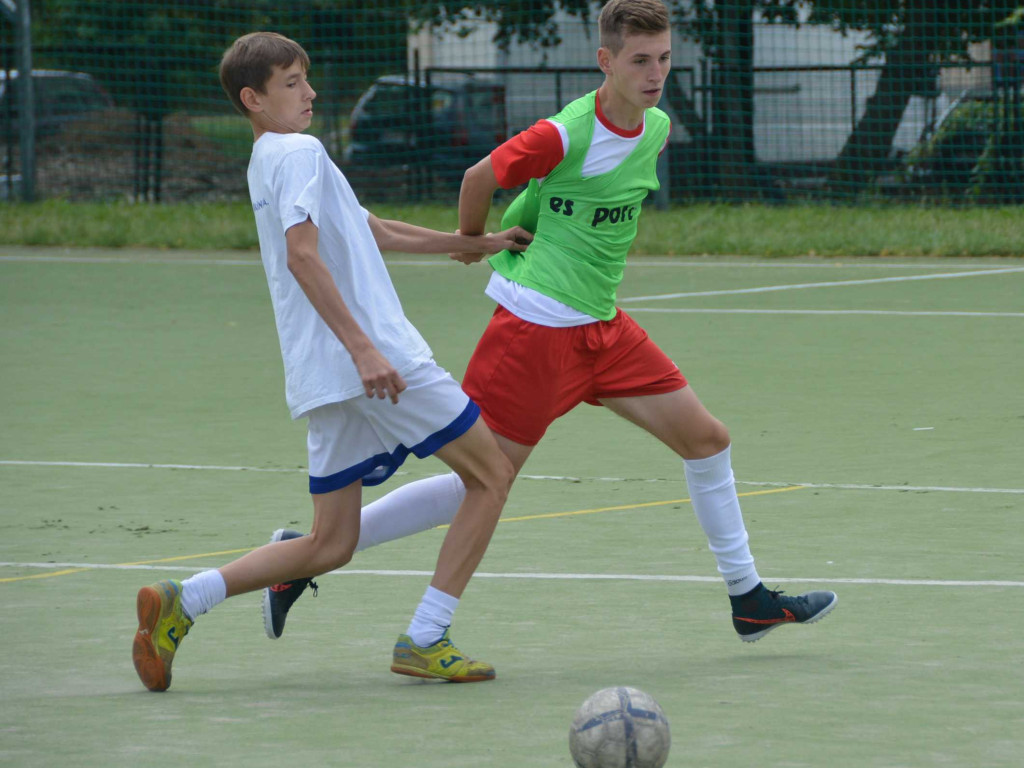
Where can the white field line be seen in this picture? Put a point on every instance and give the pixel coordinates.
(557, 478)
(137, 465)
(852, 262)
(825, 284)
(547, 576)
(875, 312)
(729, 262)
(220, 262)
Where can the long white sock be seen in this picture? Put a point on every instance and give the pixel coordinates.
(433, 616)
(713, 493)
(201, 592)
(411, 508)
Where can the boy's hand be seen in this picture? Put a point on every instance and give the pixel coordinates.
(511, 239)
(380, 379)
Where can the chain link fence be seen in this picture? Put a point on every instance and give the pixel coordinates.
(826, 101)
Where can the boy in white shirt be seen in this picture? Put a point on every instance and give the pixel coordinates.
(355, 367)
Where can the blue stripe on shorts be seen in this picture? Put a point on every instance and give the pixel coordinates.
(377, 469)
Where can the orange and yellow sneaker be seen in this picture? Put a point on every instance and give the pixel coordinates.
(440, 661)
(162, 626)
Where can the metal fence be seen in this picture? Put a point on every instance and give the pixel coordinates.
(829, 103)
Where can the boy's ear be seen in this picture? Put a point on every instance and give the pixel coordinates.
(604, 59)
(250, 99)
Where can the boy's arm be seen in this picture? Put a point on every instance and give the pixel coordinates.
(531, 154)
(479, 184)
(379, 378)
(401, 236)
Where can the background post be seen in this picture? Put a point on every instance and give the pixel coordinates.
(26, 100)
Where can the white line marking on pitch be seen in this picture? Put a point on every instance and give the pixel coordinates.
(855, 487)
(878, 312)
(561, 478)
(193, 261)
(827, 284)
(729, 262)
(137, 465)
(550, 576)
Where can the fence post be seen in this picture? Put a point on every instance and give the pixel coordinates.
(662, 196)
(26, 100)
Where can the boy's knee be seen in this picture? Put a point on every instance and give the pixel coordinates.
(329, 555)
(494, 479)
(719, 438)
(711, 439)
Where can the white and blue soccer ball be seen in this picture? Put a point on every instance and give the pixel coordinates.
(619, 728)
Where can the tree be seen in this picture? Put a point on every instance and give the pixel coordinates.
(914, 38)
(724, 28)
(156, 56)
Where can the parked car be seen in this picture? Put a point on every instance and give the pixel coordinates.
(447, 126)
(948, 160)
(60, 98)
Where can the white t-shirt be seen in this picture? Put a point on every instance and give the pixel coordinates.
(291, 178)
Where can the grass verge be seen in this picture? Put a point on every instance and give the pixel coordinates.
(682, 230)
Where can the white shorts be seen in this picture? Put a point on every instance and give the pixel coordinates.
(368, 439)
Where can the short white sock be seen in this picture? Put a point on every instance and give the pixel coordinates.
(713, 493)
(433, 616)
(411, 508)
(201, 592)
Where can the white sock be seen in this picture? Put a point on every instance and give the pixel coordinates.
(411, 508)
(433, 616)
(713, 493)
(201, 592)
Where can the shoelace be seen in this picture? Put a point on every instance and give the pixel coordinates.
(776, 594)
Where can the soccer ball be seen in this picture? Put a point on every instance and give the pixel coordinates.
(619, 728)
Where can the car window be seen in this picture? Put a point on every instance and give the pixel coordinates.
(441, 101)
(65, 96)
(57, 98)
(487, 107)
(388, 101)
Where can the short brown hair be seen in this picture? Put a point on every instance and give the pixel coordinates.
(250, 62)
(631, 17)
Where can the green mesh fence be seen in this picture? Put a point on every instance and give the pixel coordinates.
(771, 100)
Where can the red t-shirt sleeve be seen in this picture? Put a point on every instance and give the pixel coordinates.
(532, 154)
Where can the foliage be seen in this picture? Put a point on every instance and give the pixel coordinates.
(524, 21)
(952, 25)
(946, 161)
(967, 155)
(158, 57)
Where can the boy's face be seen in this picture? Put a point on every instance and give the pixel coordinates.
(638, 71)
(286, 106)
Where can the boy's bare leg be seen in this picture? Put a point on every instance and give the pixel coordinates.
(487, 475)
(165, 619)
(329, 545)
(680, 421)
(412, 508)
(425, 650)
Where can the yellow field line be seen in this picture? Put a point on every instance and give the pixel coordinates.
(546, 516)
(49, 575)
(138, 562)
(634, 506)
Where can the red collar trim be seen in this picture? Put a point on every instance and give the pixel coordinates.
(614, 128)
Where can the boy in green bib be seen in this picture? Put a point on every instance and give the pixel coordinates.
(557, 339)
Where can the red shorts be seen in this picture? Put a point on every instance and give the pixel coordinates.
(524, 376)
